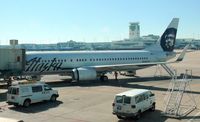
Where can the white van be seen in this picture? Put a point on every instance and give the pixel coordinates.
(2, 119)
(132, 103)
(26, 93)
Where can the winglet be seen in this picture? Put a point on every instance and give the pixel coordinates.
(181, 56)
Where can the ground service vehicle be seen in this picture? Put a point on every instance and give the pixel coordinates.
(132, 103)
(27, 93)
(2, 119)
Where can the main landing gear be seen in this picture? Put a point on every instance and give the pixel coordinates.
(103, 78)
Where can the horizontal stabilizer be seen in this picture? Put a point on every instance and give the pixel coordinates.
(181, 56)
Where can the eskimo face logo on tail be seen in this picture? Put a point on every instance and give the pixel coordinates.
(168, 39)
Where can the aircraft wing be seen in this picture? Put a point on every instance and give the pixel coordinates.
(126, 66)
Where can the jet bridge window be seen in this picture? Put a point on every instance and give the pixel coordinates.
(18, 58)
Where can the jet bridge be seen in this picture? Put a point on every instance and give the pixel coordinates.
(12, 62)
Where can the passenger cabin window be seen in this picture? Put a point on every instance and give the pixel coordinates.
(36, 88)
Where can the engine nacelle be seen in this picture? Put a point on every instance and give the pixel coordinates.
(84, 74)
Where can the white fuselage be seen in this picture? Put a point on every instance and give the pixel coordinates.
(64, 61)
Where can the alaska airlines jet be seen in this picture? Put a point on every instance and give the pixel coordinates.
(90, 65)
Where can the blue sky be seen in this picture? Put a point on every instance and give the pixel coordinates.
(52, 21)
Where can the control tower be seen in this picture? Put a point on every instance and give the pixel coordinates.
(134, 30)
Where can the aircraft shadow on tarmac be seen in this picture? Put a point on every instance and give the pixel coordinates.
(110, 82)
(194, 118)
(37, 107)
(194, 77)
(127, 83)
(148, 116)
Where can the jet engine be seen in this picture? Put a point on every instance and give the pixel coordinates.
(84, 74)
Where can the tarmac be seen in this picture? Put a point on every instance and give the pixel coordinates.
(91, 101)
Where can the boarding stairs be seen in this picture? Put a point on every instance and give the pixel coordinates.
(178, 88)
(169, 70)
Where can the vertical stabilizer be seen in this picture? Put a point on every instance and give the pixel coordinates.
(167, 41)
(168, 38)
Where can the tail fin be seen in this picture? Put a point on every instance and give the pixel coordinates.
(168, 38)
